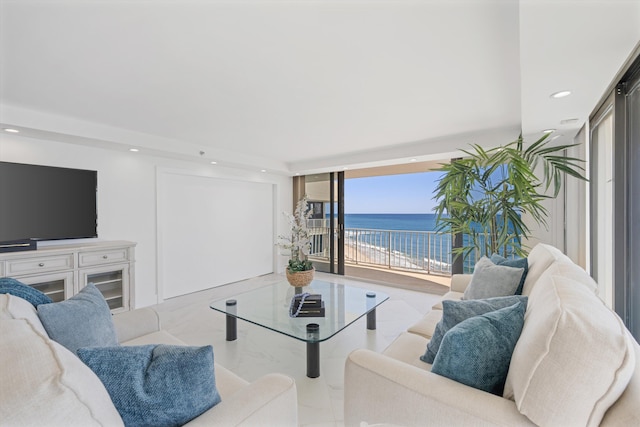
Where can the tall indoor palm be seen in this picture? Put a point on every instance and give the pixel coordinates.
(485, 194)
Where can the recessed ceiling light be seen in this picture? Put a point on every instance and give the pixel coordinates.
(561, 94)
(548, 130)
(569, 121)
(263, 170)
(414, 160)
(11, 130)
(133, 150)
(214, 163)
(297, 173)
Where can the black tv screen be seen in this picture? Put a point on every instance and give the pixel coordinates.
(47, 203)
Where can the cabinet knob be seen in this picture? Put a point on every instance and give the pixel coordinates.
(104, 256)
(41, 264)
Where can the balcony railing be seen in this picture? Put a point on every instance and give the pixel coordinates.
(421, 251)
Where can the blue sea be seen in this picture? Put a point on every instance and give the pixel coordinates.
(413, 222)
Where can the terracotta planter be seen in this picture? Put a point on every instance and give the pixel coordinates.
(300, 278)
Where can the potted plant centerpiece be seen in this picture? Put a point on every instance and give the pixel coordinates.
(297, 245)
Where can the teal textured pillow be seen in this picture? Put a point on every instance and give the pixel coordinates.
(490, 280)
(163, 385)
(517, 263)
(477, 352)
(15, 288)
(84, 320)
(454, 312)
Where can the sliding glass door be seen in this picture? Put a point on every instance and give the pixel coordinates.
(602, 198)
(326, 197)
(615, 197)
(633, 131)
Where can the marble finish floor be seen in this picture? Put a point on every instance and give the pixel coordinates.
(258, 351)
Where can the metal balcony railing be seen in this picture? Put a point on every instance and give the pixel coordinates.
(423, 251)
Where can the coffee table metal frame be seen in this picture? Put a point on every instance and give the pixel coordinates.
(269, 307)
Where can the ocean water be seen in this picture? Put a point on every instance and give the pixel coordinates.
(414, 222)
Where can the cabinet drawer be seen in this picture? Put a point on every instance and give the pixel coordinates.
(87, 259)
(39, 265)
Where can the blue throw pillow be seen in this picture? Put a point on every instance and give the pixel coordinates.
(490, 280)
(163, 385)
(477, 352)
(454, 312)
(84, 320)
(517, 263)
(15, 288)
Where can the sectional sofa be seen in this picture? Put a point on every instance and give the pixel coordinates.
(574, 364)
(42, 383)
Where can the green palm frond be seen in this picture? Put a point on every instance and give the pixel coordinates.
(485, 194)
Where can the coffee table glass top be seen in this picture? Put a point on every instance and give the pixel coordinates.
(268, 307)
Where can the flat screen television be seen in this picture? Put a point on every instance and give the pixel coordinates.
(47, 203)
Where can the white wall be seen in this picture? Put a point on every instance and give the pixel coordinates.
(566, 222)
(553, 232)
(208, 222)
(127, 195)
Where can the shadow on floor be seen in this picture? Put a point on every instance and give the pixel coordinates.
(405, 280)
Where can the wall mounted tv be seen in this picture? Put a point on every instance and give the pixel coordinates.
(46, 203)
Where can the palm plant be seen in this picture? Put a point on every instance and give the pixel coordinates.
(485, 194)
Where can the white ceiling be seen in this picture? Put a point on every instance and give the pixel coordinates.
(306, 86)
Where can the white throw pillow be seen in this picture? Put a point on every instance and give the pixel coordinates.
(13, 307)
(573, 359)
(540, 258)
(42, 383)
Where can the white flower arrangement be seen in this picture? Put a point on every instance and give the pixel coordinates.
(298, 244)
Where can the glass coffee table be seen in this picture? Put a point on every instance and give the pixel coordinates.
(269, 306)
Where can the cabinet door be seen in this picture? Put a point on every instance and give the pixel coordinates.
(58, 286)
(112, 281)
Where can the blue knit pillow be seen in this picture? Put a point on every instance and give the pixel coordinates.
(163, 385)
(477, 352)
(454, 312)
(13, 287)
(517, 263)
(84, 320)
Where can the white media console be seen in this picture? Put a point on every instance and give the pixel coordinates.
(61, 271)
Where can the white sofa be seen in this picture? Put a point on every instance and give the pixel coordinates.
(574, 364)
(44, 384)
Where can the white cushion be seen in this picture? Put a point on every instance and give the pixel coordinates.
(539, 259)
(408, 348)
(573, 272)
(13, 307)
(427, 325)
(158, 337)
(449, 296)
(573, 359)
(42, 383)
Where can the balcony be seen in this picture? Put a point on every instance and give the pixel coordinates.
(406, 258)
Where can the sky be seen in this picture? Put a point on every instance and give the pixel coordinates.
(406, 193)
